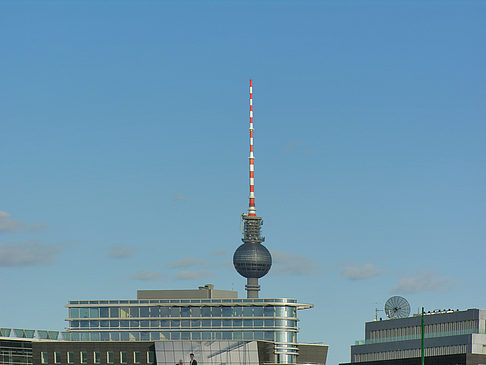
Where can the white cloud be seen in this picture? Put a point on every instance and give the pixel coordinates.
(292, 264)
(28, 254)
(423, 281)
(219, 252)
(120, 251)
(186, 262)
(366, 271)
(193, 275)
(147, 275)
(179, 196)
(9, 224)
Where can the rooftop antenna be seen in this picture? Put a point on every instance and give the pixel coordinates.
(252, 260)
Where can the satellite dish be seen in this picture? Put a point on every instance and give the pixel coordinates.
(397, 307)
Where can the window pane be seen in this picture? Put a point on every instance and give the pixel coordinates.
(74, 312)
(175, 311)
(247, 311)
(123, 357)
(136, 357)
(150, 357)
(70, 357)
(84, 313)
(144, 312)
(110, 357)
(97, 357)
(134, 312)
(227, 311)
(84, 357)
(154, 312)
(94, 313)
(237, 311)
(216, 312)
(43, 357)
(114, 312)
(258, 311)
(185, 312)
(196, 312)
(206, 311)
(104, 312)
(268, 311)
(57, 357)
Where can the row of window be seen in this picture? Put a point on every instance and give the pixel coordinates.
(57, 357)
(165, 301)
(181, 335)
(158, 312)
(446, 327)
(404, 354)
(185, 323)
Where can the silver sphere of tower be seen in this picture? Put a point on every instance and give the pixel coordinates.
(252, 260)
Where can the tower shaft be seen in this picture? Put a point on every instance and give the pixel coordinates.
(251, 208)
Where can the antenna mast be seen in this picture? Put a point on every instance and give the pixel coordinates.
(251, 208)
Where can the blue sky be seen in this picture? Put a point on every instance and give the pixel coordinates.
(124, 143)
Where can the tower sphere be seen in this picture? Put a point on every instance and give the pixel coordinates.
(252, 260)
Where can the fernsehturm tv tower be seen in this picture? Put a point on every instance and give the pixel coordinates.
(252, 260)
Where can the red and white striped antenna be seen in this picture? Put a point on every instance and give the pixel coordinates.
(251, 208)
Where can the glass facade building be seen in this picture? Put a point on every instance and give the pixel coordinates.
(273, 320)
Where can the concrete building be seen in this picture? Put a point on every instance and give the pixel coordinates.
(451, 337)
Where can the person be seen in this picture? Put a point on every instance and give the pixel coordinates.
(180, 362)
(193, 361)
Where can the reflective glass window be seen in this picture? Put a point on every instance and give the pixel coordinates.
(104, 324)
(185, 335)
(216, 312)
(216, 335)
(74, 324)
(83, 357)
(123, 357)
(154, 336)
(74, 312)
(237, 335)
(258, 335)
(226, 335)
(84, 324)
(94, 324)
(165, 335)
(227, 311)
(164, 311)
(144, 336)
(196, 312)
(110, 357)
(154, 312)
(124, 324)
(94, 313)
(115, 336)
(134, 312)
(84, 313)
(134, 336)
(154, 323)
(85, 336)
(185, 312)
(247, 311)
(237, 311)
(144, 312)
(144, 324)
(105, 336)
(237, 322)
(134, 324)
(185, 323)
(269, 323)
(195, 323)
(247, 335)
(280, 312)
(175, 336)
(227, 322)
(44, 357)
(57, 357)
(215, 323)
(248, 323)
(97, 357)
(165, 323)
(124, 336)
(268, 335)
(205, 335)
(257, 323)
(258, 311)
(175, 323)
(70, 357)
(175, 311)
(114, 312)
(196, 335)
(206, 311)
(104, 312)
(280, 322)
(206, 323)
(114, 324)
(269, 311)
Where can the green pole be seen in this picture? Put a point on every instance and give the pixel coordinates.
(422, 348)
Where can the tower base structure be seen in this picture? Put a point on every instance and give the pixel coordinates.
(252, 288)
